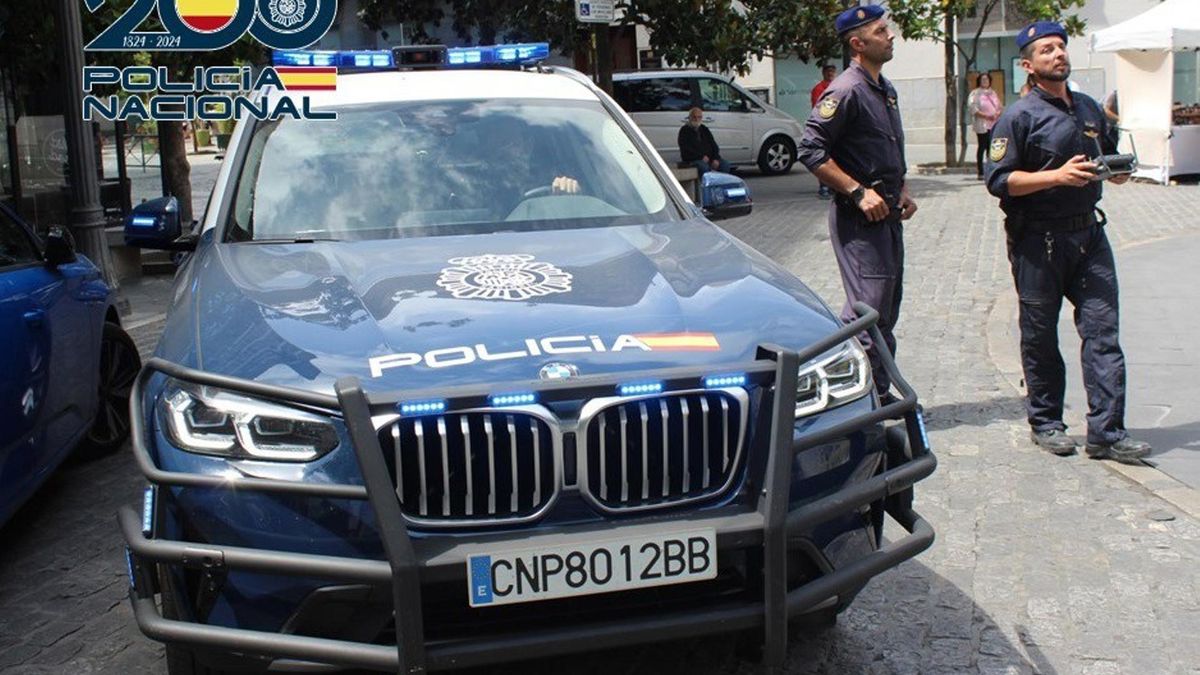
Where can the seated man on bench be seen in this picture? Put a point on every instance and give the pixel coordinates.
(698, 147)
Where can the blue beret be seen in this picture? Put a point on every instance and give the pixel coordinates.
(1038, 30)
(857, 16)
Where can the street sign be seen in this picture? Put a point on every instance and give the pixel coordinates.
(594, 11)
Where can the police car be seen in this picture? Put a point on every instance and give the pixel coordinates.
(464, 377)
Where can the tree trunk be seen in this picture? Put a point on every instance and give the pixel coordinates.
(951, 120)
(604, 61)
(175, 168)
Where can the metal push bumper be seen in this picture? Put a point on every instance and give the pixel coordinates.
(413, 561)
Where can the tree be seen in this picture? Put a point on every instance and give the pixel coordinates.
(172, 149)
(28, 23)
(938, 20)
(717, 34)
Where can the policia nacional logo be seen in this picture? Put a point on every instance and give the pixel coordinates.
(998, 149)
(827, 108)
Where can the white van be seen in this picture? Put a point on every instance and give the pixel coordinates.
(749, 130)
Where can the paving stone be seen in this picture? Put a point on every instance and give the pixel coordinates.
(1042, 564)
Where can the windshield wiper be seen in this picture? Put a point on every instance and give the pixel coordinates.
(290, 240)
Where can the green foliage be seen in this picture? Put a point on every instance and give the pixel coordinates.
(924, 19)
(714, 33)
(30, 48)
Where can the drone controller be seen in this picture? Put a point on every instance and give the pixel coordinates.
(1120, 164)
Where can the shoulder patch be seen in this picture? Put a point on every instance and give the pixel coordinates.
(998, 149)
(827, 108)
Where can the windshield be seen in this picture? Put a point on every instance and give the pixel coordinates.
(446, 167)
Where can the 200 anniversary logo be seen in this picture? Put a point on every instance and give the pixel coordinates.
(209, 93)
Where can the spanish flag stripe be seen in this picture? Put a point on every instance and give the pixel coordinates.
(680, 341)
(316, 79)
(206, 15)
(207, 7)
(305, 69)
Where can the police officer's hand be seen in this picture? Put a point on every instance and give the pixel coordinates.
(1120, 178)
(908, 206)
(564, 185)
(874, 206)
(1077, 172)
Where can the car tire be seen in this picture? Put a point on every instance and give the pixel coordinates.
(119, 367)
(777, 156)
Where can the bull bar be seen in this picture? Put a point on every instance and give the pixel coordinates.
(411, 561)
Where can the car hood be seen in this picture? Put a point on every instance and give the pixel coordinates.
(448, 310)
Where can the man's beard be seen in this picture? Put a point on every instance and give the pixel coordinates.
(1050, 76)
(694, 124)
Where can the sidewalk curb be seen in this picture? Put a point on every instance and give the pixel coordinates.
(1002, 343)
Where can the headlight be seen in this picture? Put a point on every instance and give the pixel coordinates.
(210, 421)
(833, 380)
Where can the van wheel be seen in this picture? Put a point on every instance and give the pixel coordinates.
(777, 156)
(119, 367)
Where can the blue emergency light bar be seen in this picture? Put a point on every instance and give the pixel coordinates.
(493, 55)
(368, 59)
(431, 56)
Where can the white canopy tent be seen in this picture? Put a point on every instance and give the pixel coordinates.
(1145, 48)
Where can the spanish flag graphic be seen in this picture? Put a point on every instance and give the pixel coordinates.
(305, 78)
(698, 342)
(206, 16)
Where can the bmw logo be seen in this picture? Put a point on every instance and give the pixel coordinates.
(557, 371)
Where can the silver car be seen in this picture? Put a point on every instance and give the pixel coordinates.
(749, 130)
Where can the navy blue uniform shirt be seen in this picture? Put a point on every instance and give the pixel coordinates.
(1040, 132)
(857, 123)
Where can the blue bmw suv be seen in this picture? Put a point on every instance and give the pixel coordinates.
(464, 376)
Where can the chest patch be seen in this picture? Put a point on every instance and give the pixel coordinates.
(892, 102)
(827, 108)
(998, 149)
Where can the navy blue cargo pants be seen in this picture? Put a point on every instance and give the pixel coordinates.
(870, 257)
(1076, 265)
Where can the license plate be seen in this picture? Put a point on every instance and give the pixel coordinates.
(508, 577)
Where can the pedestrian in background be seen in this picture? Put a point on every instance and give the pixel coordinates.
(697, 145)
(1027, 87)
(985, 108)
(1040, 165)
(828, 72)
(854, 143)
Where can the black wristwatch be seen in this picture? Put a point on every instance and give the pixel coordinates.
(857, 194)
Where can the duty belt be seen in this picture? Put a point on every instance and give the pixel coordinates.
(1061, 223)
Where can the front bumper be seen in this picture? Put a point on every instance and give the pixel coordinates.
(412, 562)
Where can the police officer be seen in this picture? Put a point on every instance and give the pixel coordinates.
(1040, 165)
(854, 143)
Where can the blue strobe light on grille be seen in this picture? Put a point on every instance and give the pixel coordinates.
(416, 408)
(722, 381)
(513, 399)
(639, 388)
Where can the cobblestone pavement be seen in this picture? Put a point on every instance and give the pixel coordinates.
(1042, 564)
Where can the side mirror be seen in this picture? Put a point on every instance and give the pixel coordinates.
(155, 224)
(60, 247)
(724, 195)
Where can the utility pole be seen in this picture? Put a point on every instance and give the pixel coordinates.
(86, 215)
